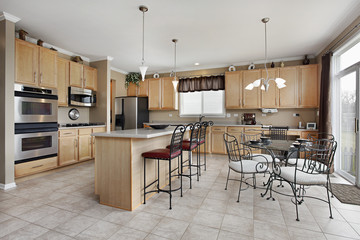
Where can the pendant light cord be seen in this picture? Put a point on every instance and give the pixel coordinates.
(267, 73)
(175, 61)
(143, 39)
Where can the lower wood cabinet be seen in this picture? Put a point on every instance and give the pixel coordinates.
(85, 144)
(217, 140)
(28, 168)
(68, 147)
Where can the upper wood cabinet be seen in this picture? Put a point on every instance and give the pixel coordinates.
(141, 91)
(83, 76)
(251, 98)
(162, 95)
(63, 67)
(270, 98)
(35, 65)
(288, 95)
(308, 86)
(233, 89)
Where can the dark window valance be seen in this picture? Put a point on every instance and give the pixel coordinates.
(203, 83)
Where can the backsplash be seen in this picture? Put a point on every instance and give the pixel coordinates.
(282, 118)
(63, 117)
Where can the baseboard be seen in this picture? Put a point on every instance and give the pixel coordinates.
(7, 186)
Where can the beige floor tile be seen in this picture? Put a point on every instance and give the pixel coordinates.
(339, 228)
(270, 231)
(350, 216)
(170, 228)
(356, 227)
(199, 232)
(4, 217)
(53, 220)
(214, 205)
(30, 231)
(183, 213)
(236, 224)
(302, 234)
(98, 231)
(242, 209)
(11, 225)
(120, 217)
(75, 225)
(52, 235)
(38, 213)
(268, 215)
(154, 237)
(209, 218)
(98, 211)
(225, 235)
(144, 221)
(125, 233)
(334, 237)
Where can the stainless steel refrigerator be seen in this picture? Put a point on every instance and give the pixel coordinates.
(131, 112)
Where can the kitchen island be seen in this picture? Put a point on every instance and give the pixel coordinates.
(119, 166)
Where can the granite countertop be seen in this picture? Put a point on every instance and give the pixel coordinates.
(136, 133)
(94, 126)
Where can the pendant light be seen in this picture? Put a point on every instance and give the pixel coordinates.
(264, 82)
(143, 67)
(175, 82)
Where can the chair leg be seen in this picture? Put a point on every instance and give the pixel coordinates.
(198, 169)
(332, 195)
(328, 196)
(190, 161)
(178, 167)
(227, 179)
(293, 188)
(254, 180)
(144, 180)
(205, 154)
(170, 195)
(242, 175)
(181, 175)
(158, 176)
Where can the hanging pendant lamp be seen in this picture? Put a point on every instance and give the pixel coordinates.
(143, 67)
(264, 82)
(175, 82)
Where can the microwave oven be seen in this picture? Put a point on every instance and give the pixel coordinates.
(81, 97)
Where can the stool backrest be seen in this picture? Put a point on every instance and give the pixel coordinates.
(278, 133)
(202, 134)
(177, 140)
(194, 134)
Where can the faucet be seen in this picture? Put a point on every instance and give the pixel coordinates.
(200, 118)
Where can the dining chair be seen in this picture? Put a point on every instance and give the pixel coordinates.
(242, 163)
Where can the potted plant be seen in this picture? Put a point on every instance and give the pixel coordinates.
(132, 78)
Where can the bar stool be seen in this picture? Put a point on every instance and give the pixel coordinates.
(202, 141)
(166, 154)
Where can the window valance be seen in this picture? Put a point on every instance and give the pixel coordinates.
(202, 83)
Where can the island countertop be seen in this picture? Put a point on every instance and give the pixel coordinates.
(136, 133)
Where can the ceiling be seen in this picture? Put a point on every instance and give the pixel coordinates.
(211, 32)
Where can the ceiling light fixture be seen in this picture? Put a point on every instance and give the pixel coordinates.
(264, 82)
(175, 82)
(143, 68)
(196, 64)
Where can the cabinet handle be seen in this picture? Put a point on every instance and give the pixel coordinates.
(34, 76)
(356, 125)
(76, 143)
(85, 82)
(41, 75)
(67, 133)
(38, 166)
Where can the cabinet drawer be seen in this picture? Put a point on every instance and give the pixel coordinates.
(218, 129)
(99, 129)
(234, 129)
(67, 132)
(293, 133)
(84, 131)
(24, 169)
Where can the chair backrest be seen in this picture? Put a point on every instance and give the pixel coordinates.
(202, 133)
(321, 135)
(278, 133)
(250, 136)
(194, 133)
(232, 147)
(177, 140)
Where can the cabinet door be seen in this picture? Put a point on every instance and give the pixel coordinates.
(90, 78)
(288, 95)
(143, 89)
(95, 130)
(76, 74)
(236, 132)
(217, 140)
(132, 90)
(168, 95)
(85, 144)
(233, 89)
(308, 86)
(270, 98)
(154, 94)
(63, 81)
(68, 150)
(251, 98)
(48, 68)
(26, 62)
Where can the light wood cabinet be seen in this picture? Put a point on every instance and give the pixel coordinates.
(270, 98)
(68, 147)
(35, 65)
(162, 95)
(132, 90)
(32, 167)
(308, 86)
(236, 132)
(63, 67)
(83, 76)
(233, 89)
(96, 130)
(90, 78)
(85, 145)
(141, 91)
(251, 98)
(288, 95)
(155, 94)
(76, 74)
(217, 140)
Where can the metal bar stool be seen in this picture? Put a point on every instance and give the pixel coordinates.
(202, 141)
(166, 154)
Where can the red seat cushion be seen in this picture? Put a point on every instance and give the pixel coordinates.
(185, 146)
(202, 141)
(162, 153)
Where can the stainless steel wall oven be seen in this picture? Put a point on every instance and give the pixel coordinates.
(36, 126)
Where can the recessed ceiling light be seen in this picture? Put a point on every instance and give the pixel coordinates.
(196, 64)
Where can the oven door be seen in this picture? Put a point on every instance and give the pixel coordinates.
(30, 110)
(34, 146)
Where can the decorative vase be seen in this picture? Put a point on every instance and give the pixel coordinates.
(272, 65)
(40, 42)
(306, 60)
(22, 34)
(282, 64)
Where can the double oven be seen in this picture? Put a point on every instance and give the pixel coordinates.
(36, 123)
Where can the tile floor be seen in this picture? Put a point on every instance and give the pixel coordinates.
(61, 205)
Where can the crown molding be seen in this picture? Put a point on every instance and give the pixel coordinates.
(9, 17)
(108, 58)
(119, 70)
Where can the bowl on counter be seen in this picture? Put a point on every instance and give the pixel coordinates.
(159, 126)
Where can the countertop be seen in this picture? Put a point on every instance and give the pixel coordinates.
(94, 126)
(136, 133)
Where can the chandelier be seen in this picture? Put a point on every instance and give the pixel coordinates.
(143, 68)
(264, 82)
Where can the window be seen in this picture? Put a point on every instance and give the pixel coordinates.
(207, 103)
